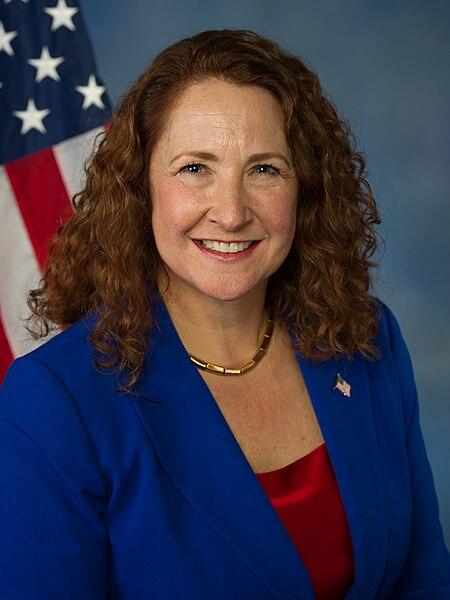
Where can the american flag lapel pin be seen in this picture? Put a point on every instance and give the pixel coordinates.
(341, 385)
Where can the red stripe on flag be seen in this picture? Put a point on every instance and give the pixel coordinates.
(41, 195)
(6, 356)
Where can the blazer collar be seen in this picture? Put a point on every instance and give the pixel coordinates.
(205, 462)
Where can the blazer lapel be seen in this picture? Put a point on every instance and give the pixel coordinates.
(349, 430)
(205, 462)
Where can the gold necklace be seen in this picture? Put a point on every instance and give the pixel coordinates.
(219, 370)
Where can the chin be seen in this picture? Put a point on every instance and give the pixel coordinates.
(226, 288)
(232, 289)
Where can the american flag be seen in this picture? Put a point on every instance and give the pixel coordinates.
(341, 385)
(52, 106)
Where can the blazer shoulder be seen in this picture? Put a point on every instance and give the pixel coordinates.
(68, 355)
(71, 340)
(389, 328)
(53, 371)
(394, 359)
(390, 340)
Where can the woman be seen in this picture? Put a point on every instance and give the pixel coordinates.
(230, 414)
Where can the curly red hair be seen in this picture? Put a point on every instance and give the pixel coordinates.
(104, 259)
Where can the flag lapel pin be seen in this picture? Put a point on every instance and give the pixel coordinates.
(341, 385)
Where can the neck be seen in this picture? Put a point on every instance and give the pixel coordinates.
(222, 332)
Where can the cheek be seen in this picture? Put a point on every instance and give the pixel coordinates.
(174, 209)
(281, 215)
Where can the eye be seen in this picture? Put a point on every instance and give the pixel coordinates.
(267, 170)
(194, 168)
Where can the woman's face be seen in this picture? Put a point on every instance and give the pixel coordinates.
(223, 192)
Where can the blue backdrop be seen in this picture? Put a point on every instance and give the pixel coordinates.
(386, 65)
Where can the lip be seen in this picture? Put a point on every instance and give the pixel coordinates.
(228, 256)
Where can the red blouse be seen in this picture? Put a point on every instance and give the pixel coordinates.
(306, 497)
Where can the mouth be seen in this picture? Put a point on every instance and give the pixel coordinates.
(225, 247)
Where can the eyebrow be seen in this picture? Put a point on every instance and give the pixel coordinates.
(263, 156)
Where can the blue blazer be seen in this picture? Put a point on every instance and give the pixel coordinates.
(150, 496)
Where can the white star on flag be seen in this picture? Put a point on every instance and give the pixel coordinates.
(5, 40)
(46, 65)
(32, 117)
(92, 93)
(62, 16)
(8, 1)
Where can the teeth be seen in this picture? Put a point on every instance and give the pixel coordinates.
(231, 248)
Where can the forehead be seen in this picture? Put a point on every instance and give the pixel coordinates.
(215, 91)
(215, 105)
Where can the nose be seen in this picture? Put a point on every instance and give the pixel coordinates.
(230, 208)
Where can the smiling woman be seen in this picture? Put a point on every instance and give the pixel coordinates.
(323, 282)
(228, 412)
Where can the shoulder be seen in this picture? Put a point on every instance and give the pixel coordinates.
(390, 340)
(67, 357)
(55, 385)
(392, 373)
(390, 337)
(73, 341)
(54, 400)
